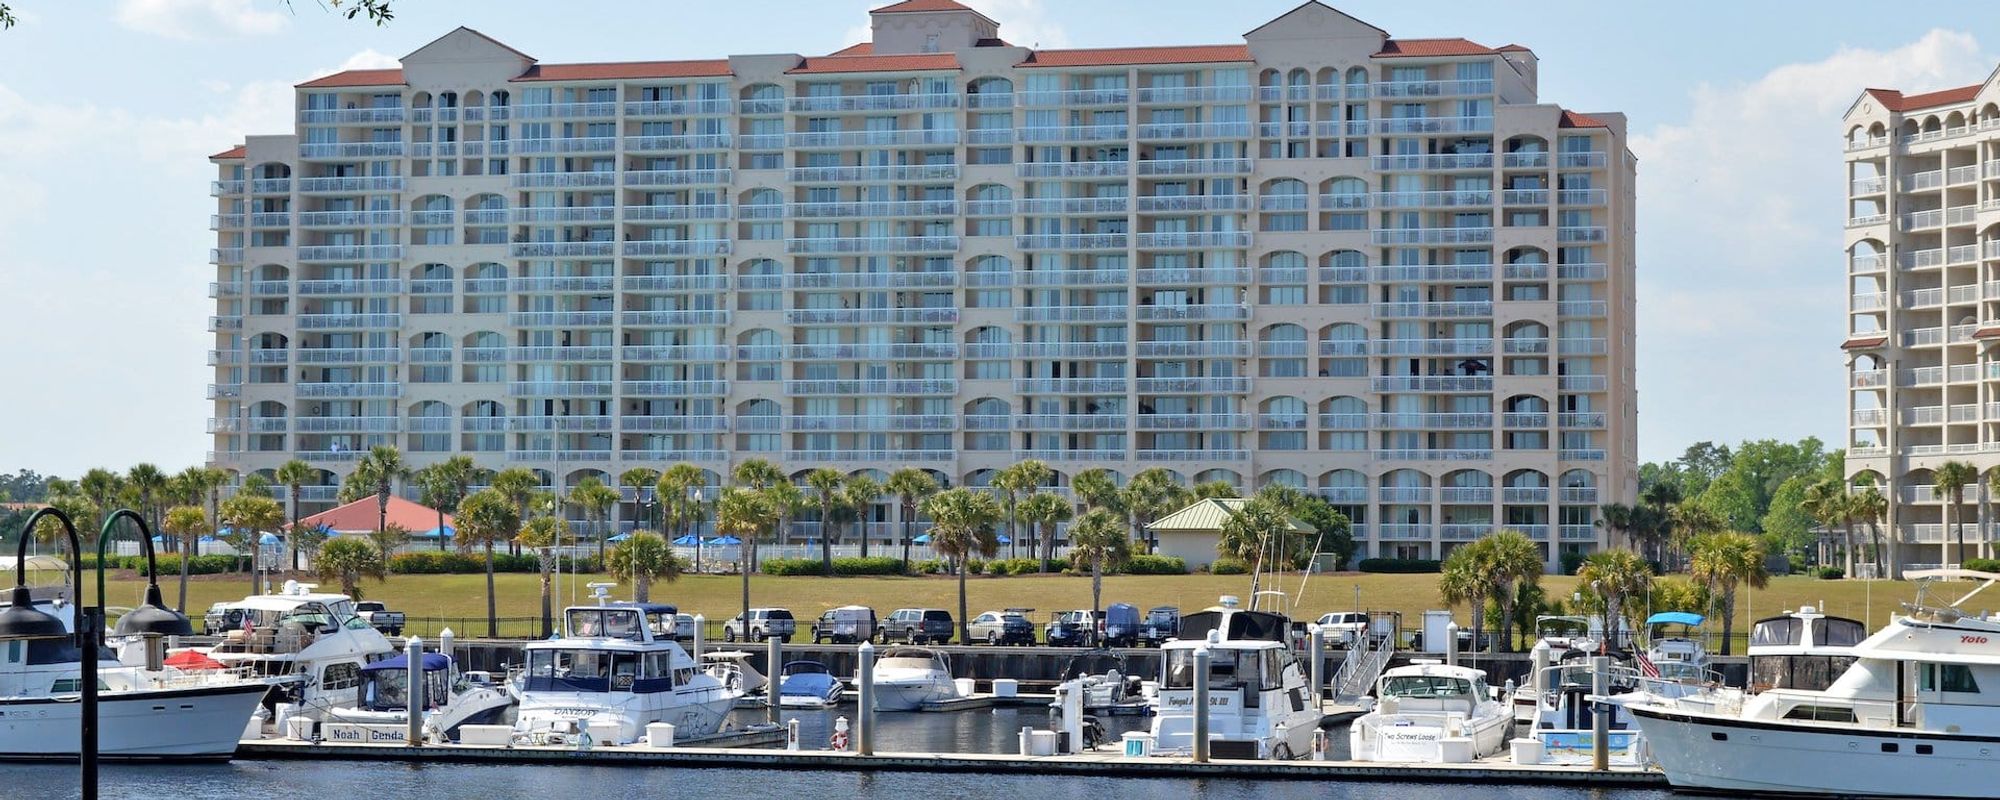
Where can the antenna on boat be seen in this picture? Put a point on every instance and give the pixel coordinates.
(601, 592)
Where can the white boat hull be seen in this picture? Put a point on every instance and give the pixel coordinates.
(910, 694)
(1419, 740)
(1699, 751)
(627, 724)
(202, 723)
(807, 703)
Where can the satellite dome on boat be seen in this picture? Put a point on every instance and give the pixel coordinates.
(23, 621)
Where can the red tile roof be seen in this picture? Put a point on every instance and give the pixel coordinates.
(357, 77)
(1428, 48)
(915, 62)
(1864, 343)
(621, 70)
(1896, 101)
(1114, 56)
(862, 49)
(1571, 119)
(1987, 331)
(1512, 48)
(908, 6)
(360, 516)
(234, 152)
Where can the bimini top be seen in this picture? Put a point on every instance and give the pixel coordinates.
(1234, 625)
(433, 662)
(1676, 618)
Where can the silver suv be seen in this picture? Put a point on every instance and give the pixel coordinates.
(764, 623)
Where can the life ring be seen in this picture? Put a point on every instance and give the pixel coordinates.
(839, 740)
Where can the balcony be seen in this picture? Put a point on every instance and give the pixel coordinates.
(1217, 349)
(675, 212)
(227, 255)
(368, 252)
(684, 388)
(348, 390)
(1097, 386)
(663, 456)
(881, 316)
(1116, 313)
(1072, 241)
(1228, 385)
(562, 284)
(318, 322)
(1183, 131)
(1408, 125)
(560, 456)
(1431, 310)
(560, 354)
(560, 388)
(1075, 97)
(674, 353)
(673, 424)
(561, 110)
(875, 423)
(349, 355)
(886, 208)
(932, 386)
(1073, 169)
(1582, 383)
(1195, 166)
(1582, 308)
(1180, 95)
(1439, 162)
(1197, 456)
(1432, 347)
(1582, 233)
(1433, 383)
(678, 316)
(1580, 455)
(874, 244)
(681, 247)
(875, 102)
(1193, 202)
(560, 319)
(1432, 421)
(370, 185)
(1057, 206)
(1435, 455)
(1400, 236)
(563, 249)
(1069, 422)
(908, 173)
(871, 280)
(649, 144)
(564, 180)
(352, 287)
(1193, 239)
(1169, 313)
(349, 219)
(351, 150)
(1073, 133)
(349, 425)
(679, 108)
(1581, 160)
(1434, 199)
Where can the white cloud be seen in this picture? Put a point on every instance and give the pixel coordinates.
(201, 19)
(1740, 215)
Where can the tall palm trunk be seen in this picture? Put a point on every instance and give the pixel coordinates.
(291, 540)
(860, 527)
(181, 604)
(826, 540)
(1048, 545)
(492, 609)
(964, 632)
(909, 523)
(548, 612)
(1847, 536)
(1728, 617)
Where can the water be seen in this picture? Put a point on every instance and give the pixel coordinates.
(977, 731)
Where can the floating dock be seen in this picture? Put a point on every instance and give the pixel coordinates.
(1100, 763)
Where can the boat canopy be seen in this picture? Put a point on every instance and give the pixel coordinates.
(1234, 625)
(1675, 618)
(432, 663)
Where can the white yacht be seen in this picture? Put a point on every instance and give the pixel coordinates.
(1564, 715)
(615, 670)
(312, 645)
(1106, 681)
(161, 713)
(1913, 716)
(1429, 712)
(734, 669)
(1258, 703)
(451, 698)
(1567, 638)
(908, 677)
(1804, 649)
(1674, 649)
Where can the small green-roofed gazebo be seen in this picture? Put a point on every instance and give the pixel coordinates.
(1191, 533)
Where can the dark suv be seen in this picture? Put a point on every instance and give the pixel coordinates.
(918, 626)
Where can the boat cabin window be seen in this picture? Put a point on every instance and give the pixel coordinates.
(74, 685)
(1836, 632)
(1821, 713)
(590, 670)
(1946, 678)
(1810, 673)
(1777, 631)
(609, 623)
(346, 675)
(1425, 686)
(661, 624)
(1227, 669)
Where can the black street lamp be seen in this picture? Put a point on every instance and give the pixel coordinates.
(22, 621)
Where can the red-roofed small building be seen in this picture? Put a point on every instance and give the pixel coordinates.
(1239, 259)
(363, 516)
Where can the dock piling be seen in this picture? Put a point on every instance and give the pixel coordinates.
(413, 649)
(700, 632)
(1318, 671)
(773, 671)
(1600, 714)
(1451, 644)
(864, 729)
(1200, 750)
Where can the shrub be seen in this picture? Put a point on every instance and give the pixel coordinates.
(1832, 573)
(1155, 565)
(791, 566)
(872, 565)
(170, 565)
(929, 566)
(1402, 566)
(976, 567)
(1983, 564)
(1228, 566)
(1571, 562)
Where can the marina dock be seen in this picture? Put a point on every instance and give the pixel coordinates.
(1104, 763)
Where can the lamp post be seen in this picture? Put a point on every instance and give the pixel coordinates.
(22, 621)
(694, 519)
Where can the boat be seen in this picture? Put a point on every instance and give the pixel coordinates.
(311, 645)
(614, 670)
(451, 698)
(1674, 649)
(1105, 680)
(809, 685)
(908, 677)
(733, 668)
(1565, 637)
(1912, 716)
(1258, 703)
(1430, 712)
(1564, 713)
(1803, 649)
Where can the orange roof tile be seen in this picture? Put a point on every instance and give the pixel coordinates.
(862, 49)
(1864, 343)
(361, 515)
(1421, 48)
(908, 6)
(1114, 56)
(1987, 331)
(1512, 48)
(357, 77)
(1571, 119)
(872, 63)
(234, 152)
(1897, 101)
(622, 70)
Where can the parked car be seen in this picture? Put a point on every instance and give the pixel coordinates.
(764, 623)
(220, 619)
(918, 626)
(1002, 627)
(1121, 625)
(1072, 628)
(1161, 623)
(379, 616)
(1343, 628)
(845, 625)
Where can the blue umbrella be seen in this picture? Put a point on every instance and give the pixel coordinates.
(619, 538)
(725, 539)
(268, 538)
(922, 539)
(444, 532)
(688, 540)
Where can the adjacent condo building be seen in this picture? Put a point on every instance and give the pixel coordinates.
(1923, 266)
(1377, 269)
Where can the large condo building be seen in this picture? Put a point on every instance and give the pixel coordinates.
(1923, 265)
(1376, 269)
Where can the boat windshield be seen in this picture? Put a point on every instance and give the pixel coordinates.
(1227, 669)
(598, 671)
(1425, 686)
(611, 623)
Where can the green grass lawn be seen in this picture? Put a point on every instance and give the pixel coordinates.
(433, 601)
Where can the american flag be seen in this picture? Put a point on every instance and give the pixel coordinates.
(1647, 667)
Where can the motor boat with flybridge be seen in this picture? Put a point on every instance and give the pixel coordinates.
(616, 669)
(147, 711)
(908, 677)
(1258, 703)
(1914, 714)
(1429, 712)
(311, 645)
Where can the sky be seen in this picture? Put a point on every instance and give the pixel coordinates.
(109, 109)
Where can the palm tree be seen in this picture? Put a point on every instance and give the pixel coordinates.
(757, 473)
(1462, 579)
(911, 486)
(518, 486)
(294, 474)
(860, 494)
(1724, 561)
(1209, 490)
(348, 561)
(185, 524)
(387, 538)
(148, 483)
(1098, 539)
(383, 466)
(1871, 506)
(444, 484)
(102, 487)
(544, 534)
(250, 515)
(1514, 560)
(787, 500)
(1672, 593)
(1252, 531)
(962, 526)
(1013, 483)
(638, 479)
(1095, 488)
(1148, 495)
(1825, 502)
(483, 518)
(1614, 576)
(679, 496)
(1950, 479)
(643, 558)
(825, 483)
(596, 500)
(1620, 519)
(744, 514)
(1043, 511)
(200, 483)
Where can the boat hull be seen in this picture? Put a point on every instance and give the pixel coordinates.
(627, 724)
(910, 694)
(192, 724)
(1699, 751)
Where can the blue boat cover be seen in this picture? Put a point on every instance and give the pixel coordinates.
(432, 663)
(1672, 617)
